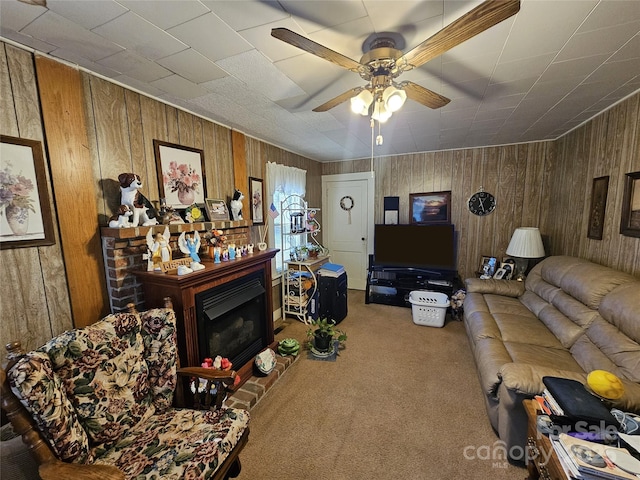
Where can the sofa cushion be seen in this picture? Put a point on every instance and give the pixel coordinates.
(42, 393)
(544, 356)
(152, 450)
(622, 307)
(104, 374)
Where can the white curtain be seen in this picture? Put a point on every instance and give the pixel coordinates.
(285, 180)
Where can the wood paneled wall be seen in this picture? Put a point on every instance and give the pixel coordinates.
(518, 175)
(122, 124)
(34, 299)
(608, 145)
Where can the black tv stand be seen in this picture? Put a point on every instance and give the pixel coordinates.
(391, 285)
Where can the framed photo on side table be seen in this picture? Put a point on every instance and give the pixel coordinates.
(428, 208)
(24, 200)
(180, 174)
(630, 221)
(257, 203)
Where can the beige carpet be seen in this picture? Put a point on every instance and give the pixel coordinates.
(402, 401)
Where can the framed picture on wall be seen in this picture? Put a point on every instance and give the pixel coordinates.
(599, 192)
(427, 208)
(630, 221)
(24, 200)
(257, 200)
(180, 170)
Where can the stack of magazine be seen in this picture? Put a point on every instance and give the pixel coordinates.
(586, 460)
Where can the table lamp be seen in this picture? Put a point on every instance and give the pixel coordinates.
(525, 243)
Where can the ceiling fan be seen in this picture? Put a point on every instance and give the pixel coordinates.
(383, 63)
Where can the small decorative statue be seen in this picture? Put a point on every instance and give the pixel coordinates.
(236, 205)
(159, 248)
(142, 209)
(121, 217)
(190, 245)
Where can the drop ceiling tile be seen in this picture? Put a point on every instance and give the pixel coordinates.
(603, 41)
(252, 13)
(610, 14)
(56, 30)
(577, 67)
(210, 36)
(472, 68)
(506, 89)
(27, 40)
(177, 86)
(348, 40)
(616, 72)
(172, 12)
(138, 85)
(274, 49)
(519, 69)
(85, 13)
(489, 41)
(135, 66)
(193, 66)
(134, 32)
(544, 27)
(17, 15)
(628, 51)
(254, 70)
(386, 17)
(501, 113)
(313, 15)
(73, 57)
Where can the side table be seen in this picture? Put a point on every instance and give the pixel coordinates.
(542, 461)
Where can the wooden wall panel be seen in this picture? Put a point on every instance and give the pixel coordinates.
(35, 303)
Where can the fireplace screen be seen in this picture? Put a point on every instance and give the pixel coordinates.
(230, 320)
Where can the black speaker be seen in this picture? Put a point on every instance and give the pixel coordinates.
(333, 297)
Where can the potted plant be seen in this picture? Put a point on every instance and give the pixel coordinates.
(323, 333)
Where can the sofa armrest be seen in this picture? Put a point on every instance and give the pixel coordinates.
(526, 379)
(509, 288)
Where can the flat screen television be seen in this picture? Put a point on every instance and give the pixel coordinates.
(419, 246)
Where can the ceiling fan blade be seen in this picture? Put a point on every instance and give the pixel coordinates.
(334, 102)
(481, 18)
(314, 48)
(423, 95)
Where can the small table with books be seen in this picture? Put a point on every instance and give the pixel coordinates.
(542, 461)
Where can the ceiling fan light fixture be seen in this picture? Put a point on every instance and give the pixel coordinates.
(380, 112)
(393, 98)
(361, 102)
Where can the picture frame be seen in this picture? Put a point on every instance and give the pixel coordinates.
(256, 194)
(488, 266)
(217, 210)
(505, 272)
(181, 179)
(430, 208)
(196, 213)
(630, 219)
(599, 192)
(26, 219)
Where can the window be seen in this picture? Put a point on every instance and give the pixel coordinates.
(283, 181)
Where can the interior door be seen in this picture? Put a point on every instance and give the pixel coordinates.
(347, 215)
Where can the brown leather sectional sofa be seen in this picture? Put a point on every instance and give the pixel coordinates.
(569, 317)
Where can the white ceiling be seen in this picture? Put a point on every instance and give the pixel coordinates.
(534, 76)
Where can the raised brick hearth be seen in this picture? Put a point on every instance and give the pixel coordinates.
(123, 249)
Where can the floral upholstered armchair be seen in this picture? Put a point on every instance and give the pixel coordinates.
(97, 403)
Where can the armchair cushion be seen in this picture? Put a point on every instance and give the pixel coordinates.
(177, 444)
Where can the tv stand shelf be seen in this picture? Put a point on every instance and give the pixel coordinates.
(392, 285)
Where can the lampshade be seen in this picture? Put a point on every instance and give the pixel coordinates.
(380, 112)
(526, 242)
(393, 98)
(360, 103)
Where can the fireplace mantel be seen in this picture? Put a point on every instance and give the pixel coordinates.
(183, 289)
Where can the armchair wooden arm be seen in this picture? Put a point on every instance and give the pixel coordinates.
(219, 381)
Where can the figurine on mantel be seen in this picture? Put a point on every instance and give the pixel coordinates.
(236, 205)
(159, 249)
(121, 217)
(143, 212)
(190, 245)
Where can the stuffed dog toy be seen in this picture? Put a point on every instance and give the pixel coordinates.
(143, 211)
(236, 205)
(121, 217)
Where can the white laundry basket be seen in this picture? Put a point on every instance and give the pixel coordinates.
(428, 308)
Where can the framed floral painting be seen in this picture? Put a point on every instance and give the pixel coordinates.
(181, 180)
(25, 212)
